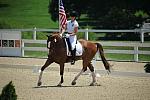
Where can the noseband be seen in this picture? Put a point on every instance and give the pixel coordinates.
(52, 38)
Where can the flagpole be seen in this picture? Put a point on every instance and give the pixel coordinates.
(58, 15)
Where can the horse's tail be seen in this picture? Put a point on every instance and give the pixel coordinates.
(101, 51)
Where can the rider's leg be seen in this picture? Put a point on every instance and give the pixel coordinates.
(73, 53)
(69, 44)
(73, 41)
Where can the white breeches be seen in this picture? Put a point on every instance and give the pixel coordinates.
(73, 40)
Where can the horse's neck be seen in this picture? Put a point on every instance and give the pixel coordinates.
(64, 43)
(61, 44)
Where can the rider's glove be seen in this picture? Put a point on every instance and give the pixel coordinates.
(67, 35)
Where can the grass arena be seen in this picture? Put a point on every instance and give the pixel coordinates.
(24, 74)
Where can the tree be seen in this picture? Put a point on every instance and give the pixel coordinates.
(147, 68)
(8, 92)
(110, 14)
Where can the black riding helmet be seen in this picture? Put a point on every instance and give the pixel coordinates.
(73, 14)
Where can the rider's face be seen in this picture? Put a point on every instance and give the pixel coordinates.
(72, 18)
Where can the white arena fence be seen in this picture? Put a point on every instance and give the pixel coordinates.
(139, 31)
(134, 52)
(136, 45)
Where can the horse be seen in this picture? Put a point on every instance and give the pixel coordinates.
(58, 54)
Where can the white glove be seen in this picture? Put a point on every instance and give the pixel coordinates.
(67, 35)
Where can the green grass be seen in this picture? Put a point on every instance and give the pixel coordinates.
(118, 48)
(26, 14)
(39, 35)
(34, 45)
(144, 58)
(39, 54)
(27, 35)
(127, 57)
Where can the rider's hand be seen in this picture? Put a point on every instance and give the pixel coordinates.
(67, 35)
(62, 31)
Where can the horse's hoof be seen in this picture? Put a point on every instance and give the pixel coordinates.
(95, 84)
(73, 83)
(92, 84)
(39, 84)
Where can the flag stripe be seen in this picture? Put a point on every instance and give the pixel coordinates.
(62, 15)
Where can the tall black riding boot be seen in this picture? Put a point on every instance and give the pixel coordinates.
(73, 54)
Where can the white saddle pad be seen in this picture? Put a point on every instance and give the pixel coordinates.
(79, 49)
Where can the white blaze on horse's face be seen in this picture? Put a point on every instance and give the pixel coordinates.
(55, 40)
(49, 43)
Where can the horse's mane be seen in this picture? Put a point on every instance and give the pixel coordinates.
(55, 33)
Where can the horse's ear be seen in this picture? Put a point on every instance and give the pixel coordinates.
(49, 35)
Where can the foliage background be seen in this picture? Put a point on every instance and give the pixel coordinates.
(99, 14)
(106, 14)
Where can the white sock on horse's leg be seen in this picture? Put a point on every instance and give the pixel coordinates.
(40, 76)
(93, 77)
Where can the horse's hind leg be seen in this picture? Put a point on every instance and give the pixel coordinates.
(92, 74)
(47, 63)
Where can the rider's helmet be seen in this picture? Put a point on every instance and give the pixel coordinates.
(73, 14)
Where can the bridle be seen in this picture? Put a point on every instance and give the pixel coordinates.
(51, 39)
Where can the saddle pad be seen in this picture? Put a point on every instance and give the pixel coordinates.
(79, 49)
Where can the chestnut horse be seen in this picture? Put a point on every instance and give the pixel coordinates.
(58, 54)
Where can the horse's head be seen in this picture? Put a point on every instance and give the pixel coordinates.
(53, 39)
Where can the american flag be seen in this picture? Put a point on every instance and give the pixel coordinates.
(62, 15)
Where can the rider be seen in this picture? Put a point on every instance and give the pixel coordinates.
(72, 28)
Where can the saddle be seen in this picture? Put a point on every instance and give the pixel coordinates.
(78, 47)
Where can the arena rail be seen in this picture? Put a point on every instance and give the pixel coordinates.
(140, 31)
(135, 45)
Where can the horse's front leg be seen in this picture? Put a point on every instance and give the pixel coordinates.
(47, 63)
(85, 64)
(61, 74)
(76, 77)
